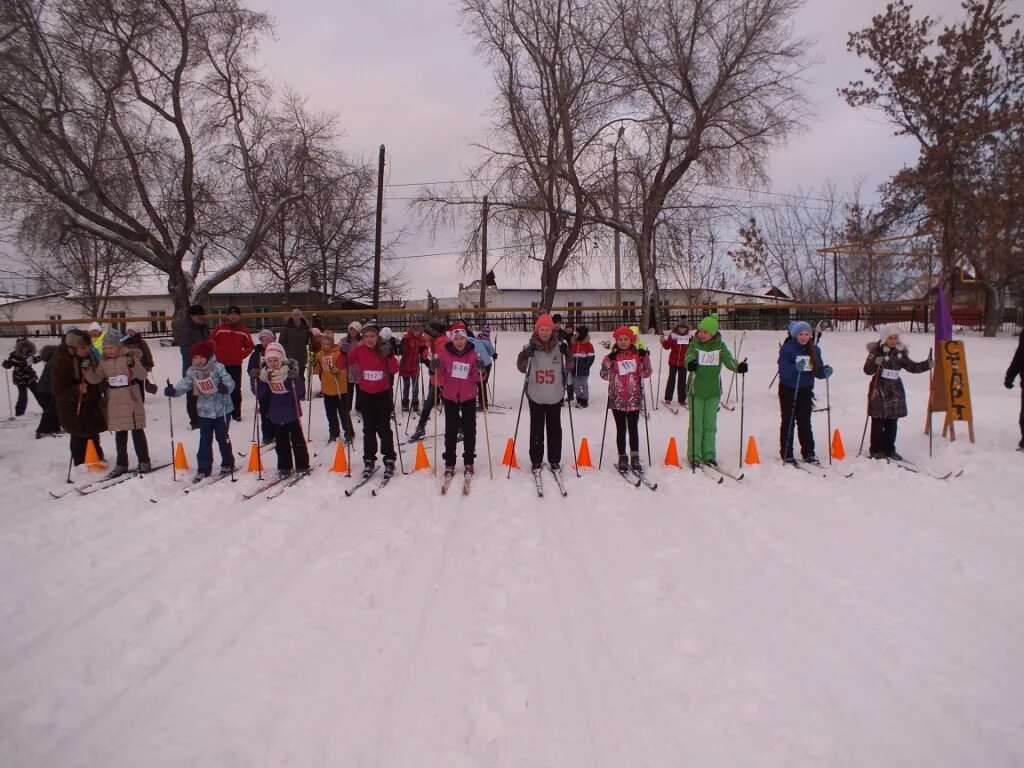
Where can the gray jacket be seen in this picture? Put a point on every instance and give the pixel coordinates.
(549, 373)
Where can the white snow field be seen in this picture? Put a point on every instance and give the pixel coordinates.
(790, 620)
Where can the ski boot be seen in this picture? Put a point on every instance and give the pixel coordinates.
(812, 459)
(895, 456)
(449, 472)
(144, 467)
(350, 438)
(418, 434)
(389, 467)
(468, 470)
(877, 455)
(227, 469)
(284, 474)
(332, 439)
(634, 463)
(791, 460)
(623, 465)
(368, 467)
(199, 477)
(714, 462)
(117, 471)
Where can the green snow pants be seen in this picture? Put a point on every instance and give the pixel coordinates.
(703, 431)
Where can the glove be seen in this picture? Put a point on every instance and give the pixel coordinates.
(1008, 383)
(254, 373)
(528, 348)
(879, 360)
(826, 371)
(742, 367)
(801, 365)
(693, 365)
(931, 363)
(222, 388)
(293, 370)
(7, 363)
(169, 391)
(131, 361)
(151, 387)
(276, 377)
(426, 363)
(434, 364)
(494, 356)
(480, 365)
(643, 352)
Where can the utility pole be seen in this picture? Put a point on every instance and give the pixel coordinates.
(615, 215)
(483, 256)
(377, 234)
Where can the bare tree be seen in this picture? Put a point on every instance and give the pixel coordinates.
(148, 125)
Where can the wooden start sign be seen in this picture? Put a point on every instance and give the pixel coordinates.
(951, 390)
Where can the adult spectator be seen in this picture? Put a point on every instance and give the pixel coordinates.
(232, 344)
(78, 403)
(295, 337)
(133, 340)
(192, 331)
(1017, 369)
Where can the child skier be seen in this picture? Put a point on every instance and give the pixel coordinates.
(582, 351)
(254, 365)
(48, 423)
(22, 374)
(458, 376)
(544, 360)
(800, 363)
(121, 369)
(411, 348)
(282, 383)
(887, 400)
(485, 349)
(331, 365)
(706, 355)
(374, 363)
(436, 336)
(625, 368)
(211, 384)
(677, 342)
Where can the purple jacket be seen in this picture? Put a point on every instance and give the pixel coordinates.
(285, 406)
(457, 373)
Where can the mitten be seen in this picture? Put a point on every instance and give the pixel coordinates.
(742, 367)
(151, 388)
(528, 348)
(826, 371)
(434, 364)
(480, 364)
(293, 369)
(879, 360)
(931, 363)
(169, 391)
(693, 365)
(643, 352)
(222, 388)
(801, 365)
(1008, 383)
(495, 356)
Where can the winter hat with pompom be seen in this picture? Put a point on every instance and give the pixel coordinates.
(275, 350)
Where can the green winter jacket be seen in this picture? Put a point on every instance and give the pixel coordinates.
(712, 354)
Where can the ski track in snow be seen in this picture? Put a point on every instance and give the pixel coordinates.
(787, 620)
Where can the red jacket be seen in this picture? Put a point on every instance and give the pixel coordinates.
(374, 369)
(437, 346)
(411, 349)
(233, 343)
(678, 346)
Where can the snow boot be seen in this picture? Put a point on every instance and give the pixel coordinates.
(144, 467)
(117, 471)
(714, 462)
(368, 467)
(389, 467)
(634, 463)
(895, 456)
(418, 434)
(449, 471)
(623, 465)
(469, 470)
(812, 459)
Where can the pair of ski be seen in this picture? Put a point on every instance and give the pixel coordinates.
(815, 468)
(539, 482)
(636, 479)
(366, 476)
(917, 469)
(716, 474)
(205, 482)
(466, 481)
(277, 486)
(106, 482)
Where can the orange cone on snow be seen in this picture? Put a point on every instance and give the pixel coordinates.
(672, 454)
(509, 459)
(752, 456)
(422, 462)
(838, 450)
(340, 459)
(180, 459)
(92, 458)
(254, 459)
(584, 462)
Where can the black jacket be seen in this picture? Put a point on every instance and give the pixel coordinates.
(1017, 364)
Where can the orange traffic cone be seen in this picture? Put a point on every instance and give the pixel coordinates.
(180, 459)
(752, 456)
(672, 454)
(509, 459)
(422, 462)
(584, 462)
(838, 450)
(254, 459)
(92, 458)
(340, 459)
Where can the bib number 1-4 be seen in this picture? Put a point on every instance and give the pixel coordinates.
(708, 358)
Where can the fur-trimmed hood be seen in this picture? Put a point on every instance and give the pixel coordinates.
(877, 348)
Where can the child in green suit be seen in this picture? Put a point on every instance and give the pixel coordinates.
(704, 360)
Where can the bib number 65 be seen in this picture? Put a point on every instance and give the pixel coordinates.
(544, 377)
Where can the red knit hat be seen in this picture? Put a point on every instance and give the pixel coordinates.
(203, 349)
(459, 329)
(624, 330)
(544, 321)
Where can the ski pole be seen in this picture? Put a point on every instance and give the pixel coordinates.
(10, 406)
(309, 400)
(522, 397)
(572, 431)
(743, 402)
(170, 420)
(647, 425)
(487, 435)
(604, 432)
(693, 422)
(867, 415)
(931, 381)
(258, 441)
(71, 460)
(790, 443)
(828, 408)
(231, 449)
(661, 354)
(398, 446)
(437, 397)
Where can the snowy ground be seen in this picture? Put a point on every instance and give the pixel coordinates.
(788, 621)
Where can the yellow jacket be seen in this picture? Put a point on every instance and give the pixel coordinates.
(331, 366)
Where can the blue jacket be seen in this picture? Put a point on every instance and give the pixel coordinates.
(212, 406)
(485, 349)
(788, 374)
(285, 407)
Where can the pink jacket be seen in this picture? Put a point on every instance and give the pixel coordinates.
(457, 373)
(625, 372)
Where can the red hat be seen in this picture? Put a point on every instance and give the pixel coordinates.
(544, 321)
(203, 349)
(626, 331)
(459, 329)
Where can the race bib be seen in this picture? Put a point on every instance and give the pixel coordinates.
(206, 386)
(278, 387)
(460, 370)
(627, 366)
(373, 375)
(117, 381)
(892, 374)
(684, 340)
(708, 358)
(807, 362)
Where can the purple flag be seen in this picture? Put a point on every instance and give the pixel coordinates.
(943, 320)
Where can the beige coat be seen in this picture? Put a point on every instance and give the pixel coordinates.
(124, 405)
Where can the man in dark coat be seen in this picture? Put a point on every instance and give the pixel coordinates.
(48, 423)
(192, 331)
(79, 404)
(1017, 369)
(295, 337)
